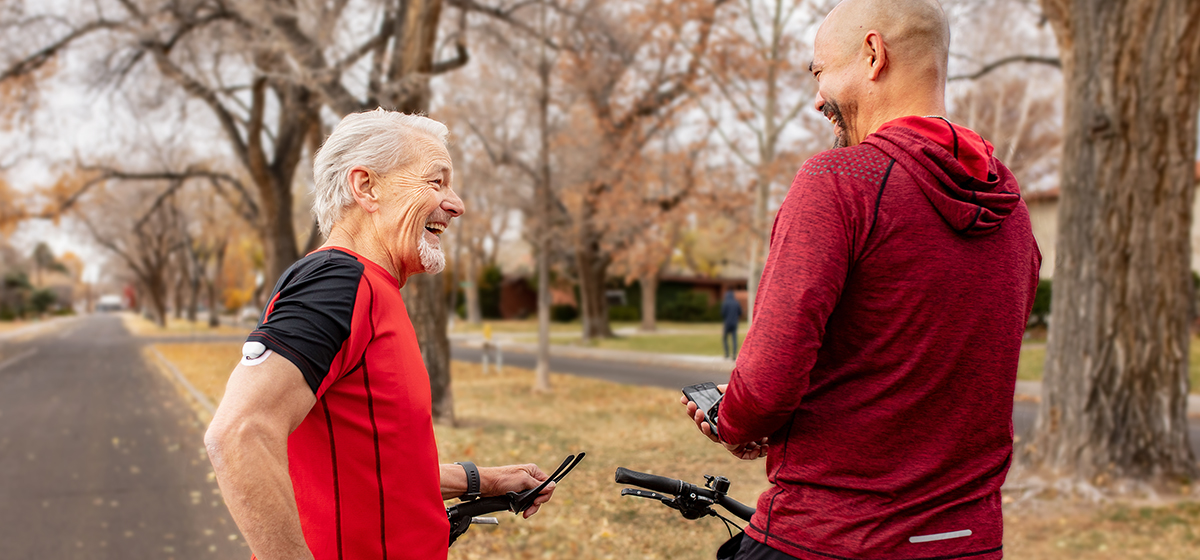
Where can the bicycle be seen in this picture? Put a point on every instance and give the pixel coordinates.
(691, 501)
(470, 512)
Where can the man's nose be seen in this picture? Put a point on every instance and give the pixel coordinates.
(453, 205)
(819, 102)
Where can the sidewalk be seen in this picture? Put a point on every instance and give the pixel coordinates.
(1029, 391)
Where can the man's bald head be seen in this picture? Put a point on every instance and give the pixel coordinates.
(916, 31)
(880, 59)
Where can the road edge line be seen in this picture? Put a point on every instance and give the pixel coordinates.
(196, 394)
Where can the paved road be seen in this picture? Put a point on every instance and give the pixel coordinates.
(100, 455)
(1024, 413)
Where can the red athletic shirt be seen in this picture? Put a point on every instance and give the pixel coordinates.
(363, 463)
(883, 353)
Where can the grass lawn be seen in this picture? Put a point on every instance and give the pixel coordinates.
(6, 326)
(1033, 361)
(501, 421)
(1109, 532)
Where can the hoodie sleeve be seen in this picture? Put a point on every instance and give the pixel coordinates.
(813, 243)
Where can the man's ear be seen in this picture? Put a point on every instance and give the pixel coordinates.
(364, 188)
(875, 52)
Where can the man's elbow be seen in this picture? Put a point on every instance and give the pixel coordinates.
(216, 441)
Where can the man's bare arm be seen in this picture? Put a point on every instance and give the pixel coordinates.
(247, 444)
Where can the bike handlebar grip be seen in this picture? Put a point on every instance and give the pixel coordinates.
(738, 509)
(482, 506)
(649, 481)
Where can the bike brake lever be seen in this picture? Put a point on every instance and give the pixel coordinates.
(524, 500)
(644, 494)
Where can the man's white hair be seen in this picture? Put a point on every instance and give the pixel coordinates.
(381, 141)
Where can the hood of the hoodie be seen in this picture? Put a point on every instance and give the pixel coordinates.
(969, 187)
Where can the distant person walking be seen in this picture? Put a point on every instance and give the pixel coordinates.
(731, 313)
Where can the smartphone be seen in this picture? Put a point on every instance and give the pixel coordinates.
(707, 398)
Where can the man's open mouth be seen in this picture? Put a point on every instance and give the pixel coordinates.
(435, 228)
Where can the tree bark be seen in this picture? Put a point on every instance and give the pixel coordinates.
(593, 275)
(426, 302)
(1116, 383)
(427, 307)
(545, 200)
(471, 292)
(649, 285)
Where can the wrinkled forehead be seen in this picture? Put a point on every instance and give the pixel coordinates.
(432, 157)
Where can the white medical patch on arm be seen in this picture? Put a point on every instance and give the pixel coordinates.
(254, 353)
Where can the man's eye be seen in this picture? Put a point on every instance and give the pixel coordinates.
(437, 182)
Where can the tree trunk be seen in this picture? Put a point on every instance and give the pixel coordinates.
(760, 237)
(471, 292)
(649, 285)
(193, 294)
(278, 233)
(156, 289)
(214, 286)
(593, 274)
(1116, 383)
(427, 307)
(180, 293)
(545, 201)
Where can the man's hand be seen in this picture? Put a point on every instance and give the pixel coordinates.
(515, 478)
(496, 481)
(747, 451)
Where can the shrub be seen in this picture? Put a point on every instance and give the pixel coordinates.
(624, 313)
(42, 300)
(688, 307)
(1040, 315)
(563, 313)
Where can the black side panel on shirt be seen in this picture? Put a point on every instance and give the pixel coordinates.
(313, 307)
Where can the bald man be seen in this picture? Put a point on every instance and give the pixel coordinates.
(880, 367)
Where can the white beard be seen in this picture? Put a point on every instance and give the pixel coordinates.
(432, 258)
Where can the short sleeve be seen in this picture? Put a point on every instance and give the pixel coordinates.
(311, 313)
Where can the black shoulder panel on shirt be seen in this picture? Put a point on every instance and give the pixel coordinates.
(312, 312)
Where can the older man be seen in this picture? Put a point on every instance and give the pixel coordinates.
(323, 444)
(881, 363)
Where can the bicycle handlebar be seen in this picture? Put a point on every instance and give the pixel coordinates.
(649, 481)
(691, 500)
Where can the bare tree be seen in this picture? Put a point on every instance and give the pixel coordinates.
(264, 70)
(1116, 378)
(758, 92)
(146, 245)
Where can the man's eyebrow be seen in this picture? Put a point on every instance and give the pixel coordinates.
(810, 67)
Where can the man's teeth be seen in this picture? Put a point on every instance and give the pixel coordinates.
(435, 229)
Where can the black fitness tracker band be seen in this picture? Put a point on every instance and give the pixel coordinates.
(472, 480)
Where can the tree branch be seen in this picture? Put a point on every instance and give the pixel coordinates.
(38, 59)
(505, 16)
(988, 68)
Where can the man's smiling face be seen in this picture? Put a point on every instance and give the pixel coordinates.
(416, 205)
(837, 85)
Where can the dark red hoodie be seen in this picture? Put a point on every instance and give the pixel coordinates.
(883, 353)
